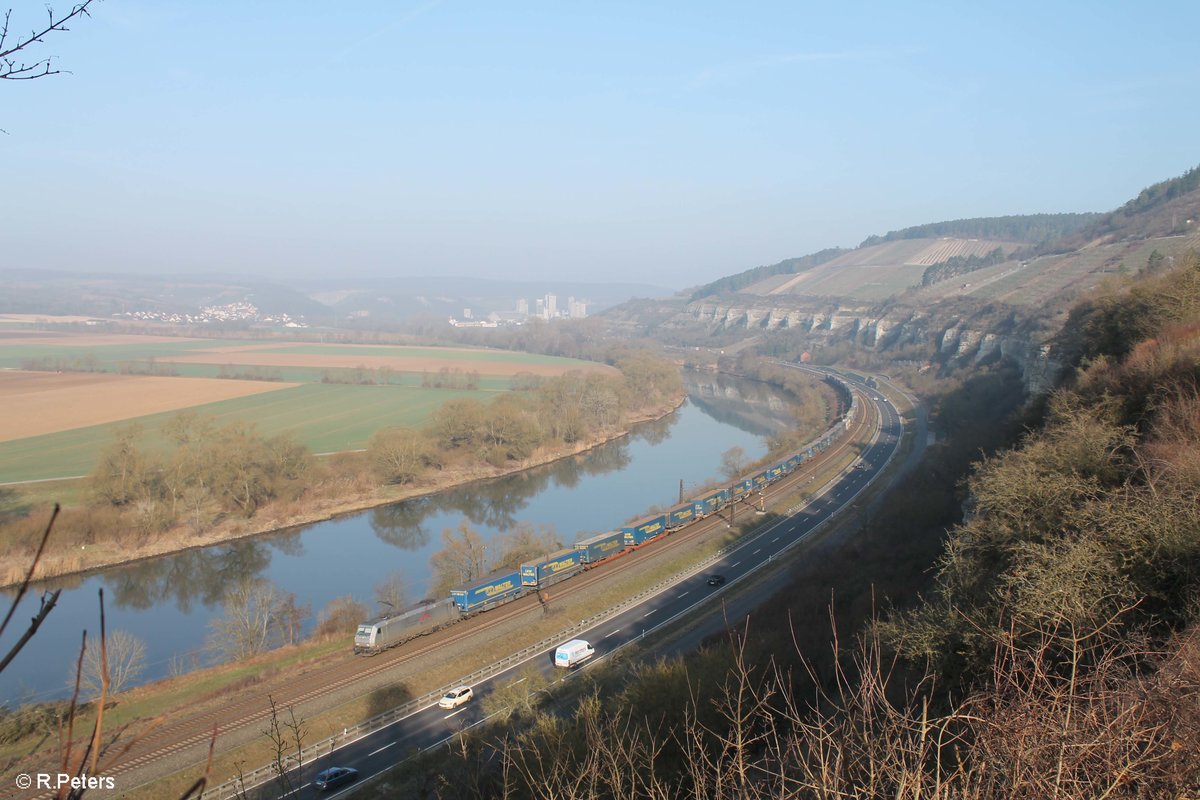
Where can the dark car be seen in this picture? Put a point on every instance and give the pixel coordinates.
(334, 777)
(716, 580)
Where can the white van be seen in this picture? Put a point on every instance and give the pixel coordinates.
(573, 653)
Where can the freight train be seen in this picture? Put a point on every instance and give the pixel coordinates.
(506, 585)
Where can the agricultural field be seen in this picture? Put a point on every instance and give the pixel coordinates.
(37, 403)
(876, 272)
(54, 424)
(1032, 283)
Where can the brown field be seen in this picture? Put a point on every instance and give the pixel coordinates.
(35, 403)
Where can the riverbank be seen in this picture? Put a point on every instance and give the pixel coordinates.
(329, 498)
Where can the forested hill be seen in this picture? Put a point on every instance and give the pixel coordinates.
(1168, 208)
(1028, 228)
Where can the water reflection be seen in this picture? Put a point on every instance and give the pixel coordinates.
(399, 524)
(751, 406)
(203, 576)
(655, 431)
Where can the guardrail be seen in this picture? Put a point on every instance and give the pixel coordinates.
(239, 787)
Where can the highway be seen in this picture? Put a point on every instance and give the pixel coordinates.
(429, 727)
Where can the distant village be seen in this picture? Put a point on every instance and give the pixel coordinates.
(230, 312)
(545, 308)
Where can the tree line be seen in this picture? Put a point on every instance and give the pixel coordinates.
(959, 265)
(1029, 228)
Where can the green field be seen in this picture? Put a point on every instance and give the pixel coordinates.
(326, 417)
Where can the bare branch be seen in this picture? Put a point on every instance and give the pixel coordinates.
(13, 69)
(48, 600)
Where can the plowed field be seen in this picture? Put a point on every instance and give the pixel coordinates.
(34, 403)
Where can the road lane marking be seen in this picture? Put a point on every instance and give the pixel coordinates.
(734, 564)
(648, 613)
(380, 750)
(756, 552)
(685, 594)
(448, 716)
(614, 633)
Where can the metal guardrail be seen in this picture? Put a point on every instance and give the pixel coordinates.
(247, 781)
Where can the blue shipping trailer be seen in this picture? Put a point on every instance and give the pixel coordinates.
(645, 529)
(682, 514)
(711, 503)
(775, 472)
(599, 547)
(492, 590)
(742, 488)
(761, 480)
(556, 566)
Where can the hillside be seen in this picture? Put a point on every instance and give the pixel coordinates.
(947, 303)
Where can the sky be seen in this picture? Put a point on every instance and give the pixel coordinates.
(668, 143)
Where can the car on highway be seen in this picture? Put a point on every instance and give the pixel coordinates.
(456, 697)
(716, 580)
(333, 777)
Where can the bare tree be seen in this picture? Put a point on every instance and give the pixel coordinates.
(461, 559)
(13, 48)
(390, 593)
(733, 461)
(286, 734)
(249, 624)
(126, 658)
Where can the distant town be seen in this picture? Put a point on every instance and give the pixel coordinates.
(544, 307)
(230, 312)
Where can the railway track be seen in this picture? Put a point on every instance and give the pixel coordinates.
(178, 736)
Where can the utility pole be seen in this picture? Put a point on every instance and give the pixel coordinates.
(681, 490)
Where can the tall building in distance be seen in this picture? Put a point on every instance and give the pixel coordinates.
(546, 307)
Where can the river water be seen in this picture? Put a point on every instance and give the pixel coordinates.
(168, 603)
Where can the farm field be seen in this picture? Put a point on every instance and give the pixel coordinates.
(1068, 275)
(876, 272)
(37, 403)
(56, 424)
(326, 417)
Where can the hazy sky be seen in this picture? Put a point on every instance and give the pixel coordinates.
(663, 142)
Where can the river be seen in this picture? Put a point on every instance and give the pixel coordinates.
(168, 603)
